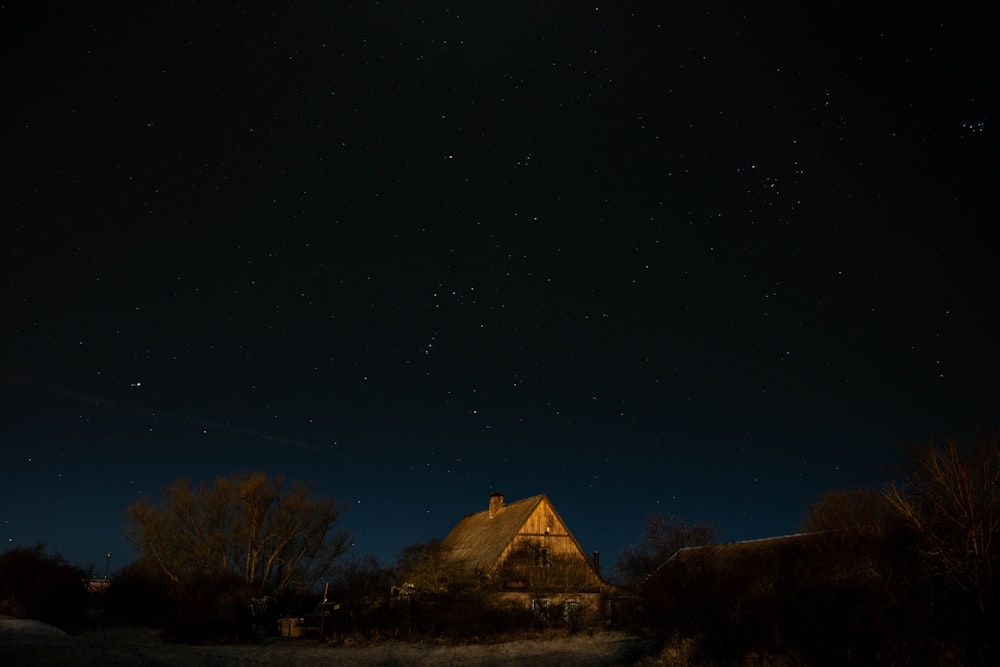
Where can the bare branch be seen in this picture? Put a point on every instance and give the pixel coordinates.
(251, 525)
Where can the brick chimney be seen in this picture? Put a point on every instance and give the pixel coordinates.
(496, 503)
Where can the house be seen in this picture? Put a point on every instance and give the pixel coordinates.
(526, 552)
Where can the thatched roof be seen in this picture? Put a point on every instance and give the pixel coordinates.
(478, 541)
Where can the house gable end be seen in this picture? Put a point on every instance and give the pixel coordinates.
(545, 529)
(529, 531)
(479, 541)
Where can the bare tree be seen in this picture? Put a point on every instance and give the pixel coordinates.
(849, 509)
(952, 502)
(426, 567)
(276, 538)
(664, 535)
(533, 568)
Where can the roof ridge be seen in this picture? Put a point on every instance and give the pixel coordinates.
(538, 498)
(524, 500)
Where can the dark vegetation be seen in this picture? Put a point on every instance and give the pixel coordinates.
(367, 602)
(36, 585)
(272, 536)
(900, 576)
(211, 556)
(904, 575)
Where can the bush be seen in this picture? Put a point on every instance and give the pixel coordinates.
(46, 588)
(207, 610)
(138, 593)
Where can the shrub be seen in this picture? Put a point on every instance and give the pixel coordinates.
(43, 587)
(206, 610)
(139, 594)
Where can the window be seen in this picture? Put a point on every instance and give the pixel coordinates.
(542, 557)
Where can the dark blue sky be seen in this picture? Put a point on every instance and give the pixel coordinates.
(639, 259)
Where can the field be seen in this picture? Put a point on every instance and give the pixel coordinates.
(29, 643)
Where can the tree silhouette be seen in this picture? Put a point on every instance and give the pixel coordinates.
(951, 501)
(46, 587)
(663, 536)
(861, 509)
(274, 537)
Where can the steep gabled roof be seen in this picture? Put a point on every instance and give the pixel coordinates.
(478, 541)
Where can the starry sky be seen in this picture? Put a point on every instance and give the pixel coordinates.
(638, 256)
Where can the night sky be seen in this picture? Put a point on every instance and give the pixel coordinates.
(640, 257)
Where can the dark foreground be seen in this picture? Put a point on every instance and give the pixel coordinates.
(31, 643)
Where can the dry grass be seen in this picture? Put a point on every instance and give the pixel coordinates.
(31, 644)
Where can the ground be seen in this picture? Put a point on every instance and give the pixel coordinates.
(30, 643)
